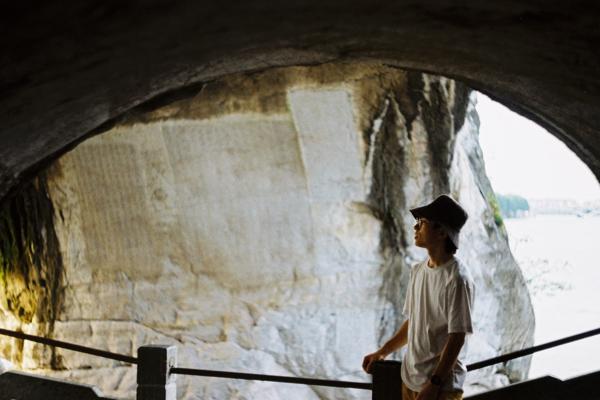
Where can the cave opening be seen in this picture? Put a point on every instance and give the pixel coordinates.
(129, 72)
(549, 204)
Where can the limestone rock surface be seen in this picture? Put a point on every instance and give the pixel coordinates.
(261, 225)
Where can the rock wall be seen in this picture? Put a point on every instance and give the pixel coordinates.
(260, 224)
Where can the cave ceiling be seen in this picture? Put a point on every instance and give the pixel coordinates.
(69, 70)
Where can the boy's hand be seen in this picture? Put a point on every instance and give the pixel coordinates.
(370, 359)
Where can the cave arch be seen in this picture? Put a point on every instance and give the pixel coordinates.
(68, 72)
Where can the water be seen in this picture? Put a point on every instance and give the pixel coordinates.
(560, 258)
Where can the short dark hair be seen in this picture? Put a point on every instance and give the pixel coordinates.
(448, 244)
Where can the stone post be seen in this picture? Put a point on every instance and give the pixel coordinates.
(154, 381)
(387, 382)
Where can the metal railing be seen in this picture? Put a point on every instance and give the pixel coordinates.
(160, 363)
(273, 378)
(531, 350)
(70, 346)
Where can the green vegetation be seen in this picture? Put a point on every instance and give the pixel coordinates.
(493, 202)
(512, 206)
(11, 253)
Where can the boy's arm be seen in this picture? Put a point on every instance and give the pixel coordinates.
(449, 355)
(448, 358)
(397, 341)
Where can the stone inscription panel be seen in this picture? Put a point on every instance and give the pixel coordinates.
(113, 207)
(242, 195)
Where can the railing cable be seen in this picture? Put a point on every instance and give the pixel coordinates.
(70, 346)
(272, 378)
(531, 350)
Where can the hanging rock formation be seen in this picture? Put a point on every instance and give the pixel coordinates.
(31, 272)
(260, 223)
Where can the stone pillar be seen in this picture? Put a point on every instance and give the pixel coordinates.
(387, 382)
(154, 381)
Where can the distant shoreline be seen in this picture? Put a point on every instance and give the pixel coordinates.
(578, 214)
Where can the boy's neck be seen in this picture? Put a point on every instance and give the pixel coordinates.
(438, 256)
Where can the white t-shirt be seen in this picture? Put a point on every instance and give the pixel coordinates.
(438, 302)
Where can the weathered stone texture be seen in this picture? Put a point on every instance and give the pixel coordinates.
(69, 71)
(273, 236)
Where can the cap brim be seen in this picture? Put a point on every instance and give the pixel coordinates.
(419, 212)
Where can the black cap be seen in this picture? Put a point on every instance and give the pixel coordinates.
(447, 212)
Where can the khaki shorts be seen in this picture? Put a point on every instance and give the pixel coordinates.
(408, 394)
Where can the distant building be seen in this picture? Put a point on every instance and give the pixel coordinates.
(564, 206)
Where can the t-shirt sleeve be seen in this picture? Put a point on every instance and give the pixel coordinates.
(460, 304)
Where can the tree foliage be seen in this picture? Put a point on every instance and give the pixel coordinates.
(512, 205)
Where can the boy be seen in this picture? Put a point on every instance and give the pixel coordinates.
(438, 306)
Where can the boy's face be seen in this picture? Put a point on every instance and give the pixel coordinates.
(427, 235)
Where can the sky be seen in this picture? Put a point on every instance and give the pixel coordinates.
(522, 158)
